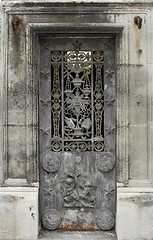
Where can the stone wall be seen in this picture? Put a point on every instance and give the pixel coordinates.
(19, 148)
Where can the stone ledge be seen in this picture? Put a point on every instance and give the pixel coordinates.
(110, 2)
(18, 213)
(134, 190)
(18, 189)
(134, 214)
(78, 236)
(79, 1)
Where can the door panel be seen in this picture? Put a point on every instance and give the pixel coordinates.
(77, 133)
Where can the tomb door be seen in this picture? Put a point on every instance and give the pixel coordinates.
(77, 99)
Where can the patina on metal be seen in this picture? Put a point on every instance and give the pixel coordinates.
(77, 133)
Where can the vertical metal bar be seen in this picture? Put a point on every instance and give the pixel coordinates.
(50, 98)
(104, 81)
(92, 102)
(103, 88)
(62, 88)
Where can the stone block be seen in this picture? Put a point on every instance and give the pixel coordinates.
(16, 152)
(19, 98)
(18, 213)
(100, 235)
(138, 166)
(134, 214)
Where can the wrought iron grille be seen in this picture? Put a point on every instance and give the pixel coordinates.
(77, 100)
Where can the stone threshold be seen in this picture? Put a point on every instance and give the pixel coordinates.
(77, 235)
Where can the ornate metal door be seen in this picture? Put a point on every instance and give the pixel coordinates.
(77, 133)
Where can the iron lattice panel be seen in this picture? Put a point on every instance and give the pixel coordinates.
(77, 100)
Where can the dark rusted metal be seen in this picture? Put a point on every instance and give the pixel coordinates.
(72, 227)
(138, 22)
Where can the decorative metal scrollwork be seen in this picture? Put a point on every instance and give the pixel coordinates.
(80, 146)
(99, 146)
(56, 146)
(51, 162)
(98, 102)
(105, 161)
(56, 100)
(77, 123)
(98, 56)
(51, 219)
(56, 56)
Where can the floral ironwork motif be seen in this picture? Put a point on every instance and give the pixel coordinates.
(98, 102)
(56, 100)
(77, 100)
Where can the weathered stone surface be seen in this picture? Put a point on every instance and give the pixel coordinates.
(20, 105)
(78, 235)
(134, 214)
(18, 213)
(19, 115)
(80, 1)
(132, 84)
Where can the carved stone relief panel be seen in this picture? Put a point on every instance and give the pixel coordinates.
(77, 133)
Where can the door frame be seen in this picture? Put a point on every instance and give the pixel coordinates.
(33, 31)
(44, 136)
(33, 59)
(110, 16)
